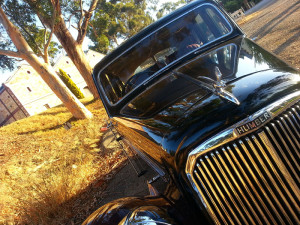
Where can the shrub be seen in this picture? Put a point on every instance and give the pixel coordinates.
(70, 84)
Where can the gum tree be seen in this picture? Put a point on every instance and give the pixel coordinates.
(23, 51)
(69, 11)
(117, 20)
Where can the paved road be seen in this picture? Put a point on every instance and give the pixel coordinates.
(260, 5)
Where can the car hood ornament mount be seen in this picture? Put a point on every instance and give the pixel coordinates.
(219, 86)
(215, 86)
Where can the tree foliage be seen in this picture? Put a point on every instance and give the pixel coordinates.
(233, 5)
(37, 36)
(6, 62)
(168, 7)
(117, 20)
(23, 50)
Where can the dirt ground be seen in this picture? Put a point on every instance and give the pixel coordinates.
(277, 28)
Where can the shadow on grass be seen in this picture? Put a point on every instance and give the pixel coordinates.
(62, 109)
(54, 113)
(275, 21)
(66, 125)
(288, 42)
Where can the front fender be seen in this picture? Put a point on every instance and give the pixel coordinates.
(133, 210)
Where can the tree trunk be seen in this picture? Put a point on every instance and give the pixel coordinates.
(72, 47)
(48, 74)
(74, 51)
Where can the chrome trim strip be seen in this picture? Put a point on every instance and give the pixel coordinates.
(231, 134)
(150, 162)
(163, 69)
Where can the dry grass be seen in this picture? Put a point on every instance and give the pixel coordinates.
(45, 169)
(277, 29)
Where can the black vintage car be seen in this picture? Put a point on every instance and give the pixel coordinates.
(214, 114)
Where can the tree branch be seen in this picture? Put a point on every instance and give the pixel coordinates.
(85, 23)
(56, 7)
(16, 37)
(11, 53)
(46, 46)
(94, 30)
(81, 18)
(75, 27)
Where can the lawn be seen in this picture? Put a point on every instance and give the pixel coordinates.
(50, 174)
(277, 29)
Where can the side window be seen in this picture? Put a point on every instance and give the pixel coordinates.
(222, 27)
(204, 29)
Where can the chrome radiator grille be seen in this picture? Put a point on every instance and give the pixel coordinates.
(254, 179)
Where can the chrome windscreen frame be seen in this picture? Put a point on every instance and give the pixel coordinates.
(231, 134)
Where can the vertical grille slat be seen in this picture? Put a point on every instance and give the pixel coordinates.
(219, 194)
(276, 185)
(295, 140)
(280, 172)
(232, 203)
(296, 113)
(286, 136)
(260, 170)
(294, 124)
(283, 155)
(234, 187)
(240, 191)
(286, 148)
(247, 184)
(219, 216)
(255, 179)
(218, 206)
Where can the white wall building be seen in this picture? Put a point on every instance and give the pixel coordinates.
(25, 93)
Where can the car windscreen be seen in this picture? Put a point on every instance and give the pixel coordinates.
(174, 86)
(168, 90)
(164, 46)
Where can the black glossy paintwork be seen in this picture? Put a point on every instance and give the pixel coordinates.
(257, 79)
(132, 210)
(188, 121)
(171, 134)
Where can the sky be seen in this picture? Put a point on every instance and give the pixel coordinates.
(4, 75)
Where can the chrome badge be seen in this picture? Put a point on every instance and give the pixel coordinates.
(258, 121)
